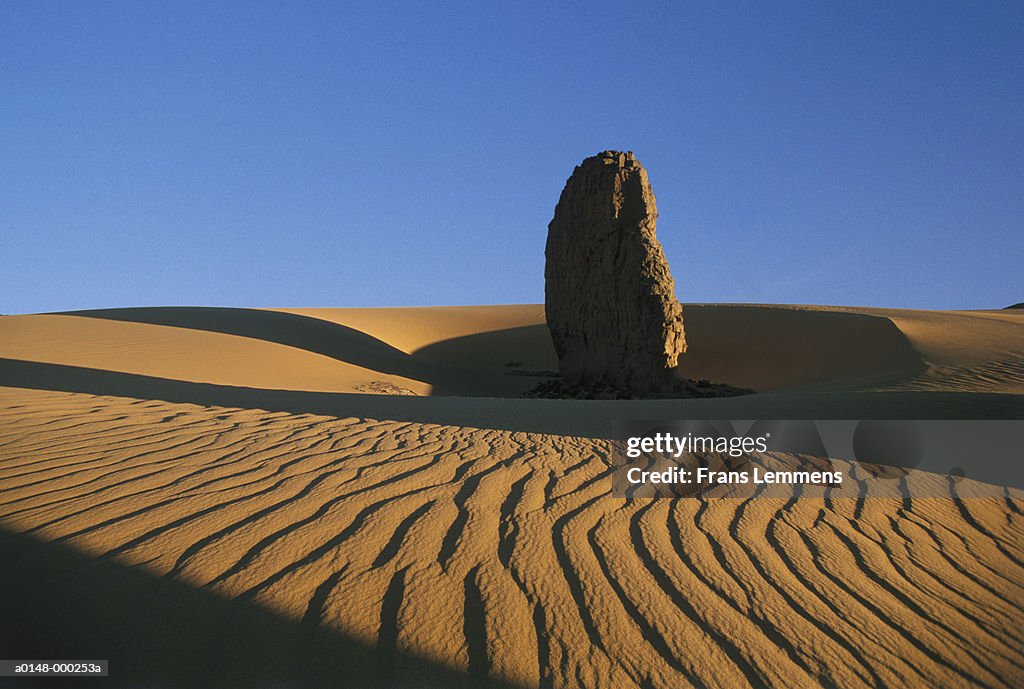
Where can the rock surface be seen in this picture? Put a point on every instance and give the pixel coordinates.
(609, 296)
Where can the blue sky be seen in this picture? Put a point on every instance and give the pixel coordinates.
(386, 154)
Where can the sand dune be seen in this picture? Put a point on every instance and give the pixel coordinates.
(200, 496)
(482, 351)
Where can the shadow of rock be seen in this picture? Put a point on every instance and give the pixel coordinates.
(526, 348)
(738, 346)
(769, 349)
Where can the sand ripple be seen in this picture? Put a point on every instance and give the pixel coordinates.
(270, 545)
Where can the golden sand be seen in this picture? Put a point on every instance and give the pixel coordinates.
(211, 499)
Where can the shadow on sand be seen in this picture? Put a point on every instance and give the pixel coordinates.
(509, 350)
(742, 346)
(160, 632)
(315, 335)
(591, 418)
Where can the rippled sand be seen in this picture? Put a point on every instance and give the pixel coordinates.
(221, 531)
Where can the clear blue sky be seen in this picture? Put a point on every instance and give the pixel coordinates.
(385, 154)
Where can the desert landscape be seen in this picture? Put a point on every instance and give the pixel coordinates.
(348, 345)
(215, 497)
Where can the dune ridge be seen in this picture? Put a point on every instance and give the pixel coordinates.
(481, 351)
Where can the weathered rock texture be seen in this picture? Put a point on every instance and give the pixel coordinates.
(609, 296)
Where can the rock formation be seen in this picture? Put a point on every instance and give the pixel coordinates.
(609, 296)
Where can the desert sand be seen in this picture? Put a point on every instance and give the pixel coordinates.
(360, 498)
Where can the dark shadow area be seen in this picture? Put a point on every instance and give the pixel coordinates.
(731, 349)
(526, 348)
(591, 418)
(677, 388)
(527, 351)
(159, 632)
(315, 335)
(774, 348)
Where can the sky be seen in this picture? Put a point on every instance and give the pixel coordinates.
(408, 154)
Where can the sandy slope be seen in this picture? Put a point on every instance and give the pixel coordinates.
(197, 496)
(484, 351)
